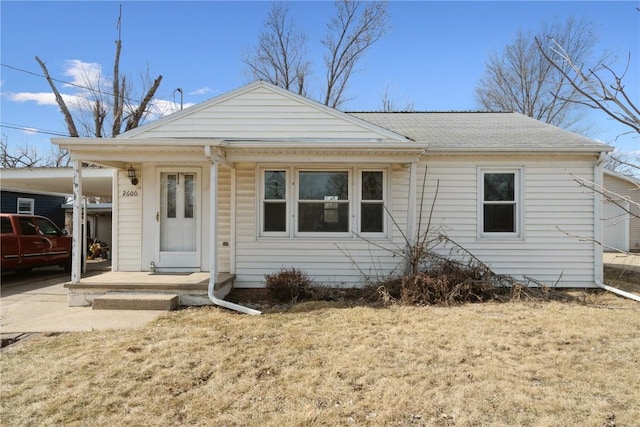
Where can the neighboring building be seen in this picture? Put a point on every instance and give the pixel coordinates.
(261, 178)
(621, 214)
(33, 203)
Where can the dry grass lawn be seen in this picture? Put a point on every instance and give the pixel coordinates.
(513, 364)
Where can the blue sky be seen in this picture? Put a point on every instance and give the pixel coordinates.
(433, 55)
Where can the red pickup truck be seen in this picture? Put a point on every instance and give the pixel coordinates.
(30, 241)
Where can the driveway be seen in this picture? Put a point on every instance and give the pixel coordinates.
(37, 302)
(621, 260)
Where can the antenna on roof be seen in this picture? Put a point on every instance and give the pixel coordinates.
(181, 96)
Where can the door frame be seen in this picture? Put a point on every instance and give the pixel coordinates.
(196, 265)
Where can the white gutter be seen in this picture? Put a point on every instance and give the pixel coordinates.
(213, 239)
(597, 234)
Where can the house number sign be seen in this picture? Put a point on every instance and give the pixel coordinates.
(129, 193)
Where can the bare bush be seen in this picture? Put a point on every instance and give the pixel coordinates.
(454, 279)
(289, 284)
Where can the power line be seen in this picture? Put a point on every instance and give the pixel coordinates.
(31, 129)
(68, 83)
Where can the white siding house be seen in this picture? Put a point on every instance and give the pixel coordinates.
(621, 214)
(261, 178)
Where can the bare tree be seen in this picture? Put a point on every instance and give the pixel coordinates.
(63, 106)
(390, 104)
(279, 57)
(600, 87)
(624, 163)
(57, 158)
(520, 79)
(355, 28)
(21, 156)
(92, 107)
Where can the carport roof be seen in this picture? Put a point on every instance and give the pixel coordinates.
(96, 182)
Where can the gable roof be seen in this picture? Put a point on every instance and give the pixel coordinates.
(477, 132)
(262, 118)
(261, 111)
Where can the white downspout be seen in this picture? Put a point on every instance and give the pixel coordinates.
(213, 240)
(597, 234)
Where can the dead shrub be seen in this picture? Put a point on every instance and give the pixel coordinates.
(455, 280)
(289, 285)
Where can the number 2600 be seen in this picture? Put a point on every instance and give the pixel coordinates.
(129, 193)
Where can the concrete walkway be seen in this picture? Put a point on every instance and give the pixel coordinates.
(40, 304)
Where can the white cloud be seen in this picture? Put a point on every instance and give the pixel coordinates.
(86, 74)
(201, 91)
(41, 98)
(44, 98)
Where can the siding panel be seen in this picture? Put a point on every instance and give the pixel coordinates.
(260, 114)
(554, 205)
(129, 221)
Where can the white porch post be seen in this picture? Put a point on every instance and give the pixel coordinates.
(76, 261)
(213, 221)
(411, 205)
(84, 234)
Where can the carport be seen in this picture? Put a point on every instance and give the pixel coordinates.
(96, 182)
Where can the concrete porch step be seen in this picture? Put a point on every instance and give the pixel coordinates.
(135, 301)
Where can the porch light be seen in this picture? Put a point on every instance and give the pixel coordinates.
(132, 175)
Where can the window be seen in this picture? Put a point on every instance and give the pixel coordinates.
(7, 228)
(372, 202)
(46, 227)
(321, 201)
(189, 195)
(25, 206)
(27, 227)
(172, 185)
(500, 203)
(274, 201)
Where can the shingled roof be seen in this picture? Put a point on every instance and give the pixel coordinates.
(467, 131)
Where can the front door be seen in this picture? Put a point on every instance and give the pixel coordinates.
(179, 218)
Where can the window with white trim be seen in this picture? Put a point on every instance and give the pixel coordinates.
(274, 201)
(372, 202)
(322, 201)
(25, 206)
(500, 203)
